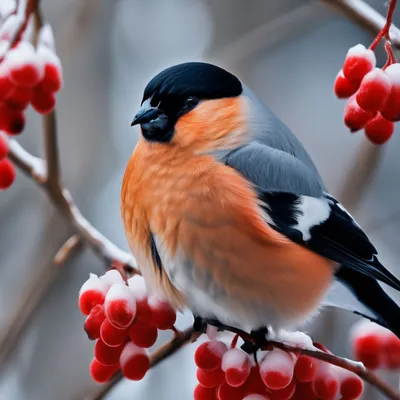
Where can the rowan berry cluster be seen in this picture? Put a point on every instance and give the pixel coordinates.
(124, 321)
(375, 346)
(373, 93)
(231, 374)
(29, 75)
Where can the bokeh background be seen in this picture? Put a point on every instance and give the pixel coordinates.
(287, 51)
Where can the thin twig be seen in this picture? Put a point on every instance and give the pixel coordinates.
(363, 14)
(68, 249)
(156, 357)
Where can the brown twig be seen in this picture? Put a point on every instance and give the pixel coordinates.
(156, 357)
(363, 14)
(68, 249)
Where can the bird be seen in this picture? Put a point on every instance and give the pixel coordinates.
(228, 216)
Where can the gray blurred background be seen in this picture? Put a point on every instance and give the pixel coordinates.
(288, 51)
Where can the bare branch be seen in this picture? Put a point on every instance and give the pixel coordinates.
(68, 249)
(363, 14)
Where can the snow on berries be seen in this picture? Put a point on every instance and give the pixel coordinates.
(373, 93)
(375, 346)
(232, 374)
(121, 321)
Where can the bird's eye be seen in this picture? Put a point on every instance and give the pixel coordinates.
(191, 102)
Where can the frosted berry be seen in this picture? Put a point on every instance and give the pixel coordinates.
(236, 364)
(112, 276)
(52, 80)
(374, 90)
(355, 118)
(255, 397)
(43, 102)
(18, 98)
(305, 368)
(92, 292)
(343, 87)
(391, 110)
(351, 385)
(102, 373)
(3, 145)
(276, 369)
(210, 378)
(326, 383)
(7, 173)
(209, 354)
(94, 321)
(120, 305)
(163, 315)
(134, 362)
(358, 62)
(379, 130)
(107, 355)
(227, 392)
(143, 333)
(392, 350)
(367, 349)
(204, 393)
(24, 65)
(11, 121)
(283, 394)
(111, 335)
(138, 286)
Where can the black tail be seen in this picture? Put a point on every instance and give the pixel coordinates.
(369, 292)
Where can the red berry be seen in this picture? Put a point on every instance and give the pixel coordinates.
(120, 305)
(163, 315)
(304, 391)
(105, 354)
(43, 102)
(143, 334)
(204, 393)
(276, 369)
(392, 350)
(374, 90)
(283, 394)
(102, 373)
(326, 383)
(254, 383)
(255, 397)
(92, 292)
(368, 349)
(227, 392)
(52, 80)
(355, 117)
(7, 173)
(351, 386)
(134, 361)
(18, 98)
(11, 121)
(391, 109)
(210, 378)
(358, 62)
(343, 87)
(3, 145)
(379, 130)
(236, 364)
(94, 321)
(305, 368)
(111, 335)
(5, 85)
(209, 354)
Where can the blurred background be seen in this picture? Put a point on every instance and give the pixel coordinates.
(287, 51)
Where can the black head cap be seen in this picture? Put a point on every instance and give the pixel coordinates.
(176, 91)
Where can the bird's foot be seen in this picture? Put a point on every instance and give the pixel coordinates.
(256, 341)
(200, 324)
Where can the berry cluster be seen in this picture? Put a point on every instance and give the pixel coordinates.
(374, 93)
(124, 321)
(231, 374)
(375, 346)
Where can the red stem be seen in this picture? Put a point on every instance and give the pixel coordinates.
(384, 32)
(390, 56)
(234, 341)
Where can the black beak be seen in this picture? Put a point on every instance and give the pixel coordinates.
(146, 115)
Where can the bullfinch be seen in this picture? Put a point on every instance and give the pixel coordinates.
(228, 216)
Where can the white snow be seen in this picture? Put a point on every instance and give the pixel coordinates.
(46, 37)
(295, 339)
(360, 50)
(212, 332)
(11, 26)
(119, 291)
(217, 347)
(394, 73)
(111, 277)
(377, 75)
(138, 287)
(278, 360)
(94, 283)
(235, 358)
(313, 211)
(365, 327)
(130, 350)
(6, 7)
